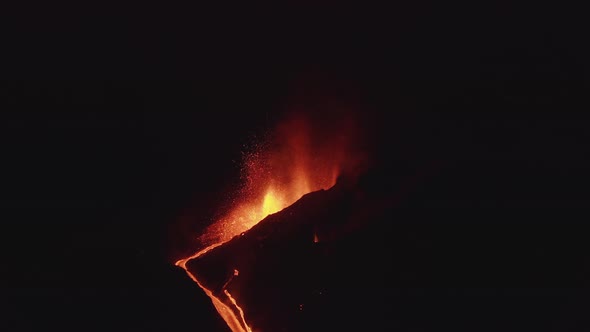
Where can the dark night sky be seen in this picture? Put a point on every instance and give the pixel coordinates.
(115, 121)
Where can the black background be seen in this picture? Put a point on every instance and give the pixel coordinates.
(117, 121)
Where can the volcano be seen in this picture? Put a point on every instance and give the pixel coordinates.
(281, 267)
(361, 256)
(270, 270)
(394, 245)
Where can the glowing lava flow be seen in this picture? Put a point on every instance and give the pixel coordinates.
(235, 322)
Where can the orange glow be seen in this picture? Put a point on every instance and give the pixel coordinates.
(276, 175)
(271, 203)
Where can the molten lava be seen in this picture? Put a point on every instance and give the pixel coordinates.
(276, 176)
(272, 203)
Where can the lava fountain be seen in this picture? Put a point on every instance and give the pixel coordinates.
(277, 173)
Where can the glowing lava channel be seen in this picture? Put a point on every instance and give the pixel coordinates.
(236, 322)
